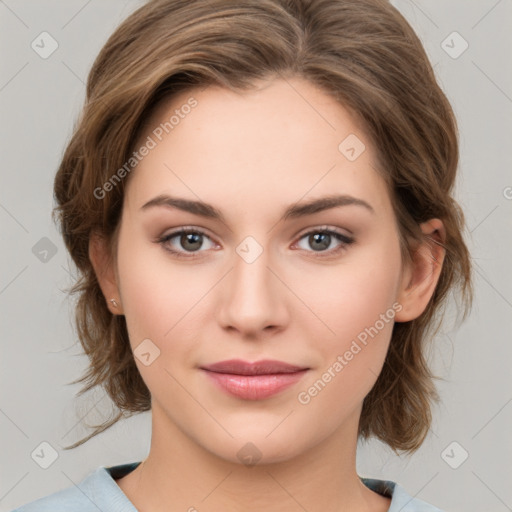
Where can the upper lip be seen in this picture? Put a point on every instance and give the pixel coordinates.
(264, 367)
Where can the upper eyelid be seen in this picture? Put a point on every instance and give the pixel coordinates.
(325, 227)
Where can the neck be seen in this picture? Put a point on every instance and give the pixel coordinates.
(179, 474)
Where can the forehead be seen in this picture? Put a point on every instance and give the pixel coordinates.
(276, 143)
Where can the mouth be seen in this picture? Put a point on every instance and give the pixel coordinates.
(253, 381)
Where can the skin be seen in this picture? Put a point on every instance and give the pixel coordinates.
(290, 304)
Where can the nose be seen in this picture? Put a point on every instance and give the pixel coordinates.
(254, 298)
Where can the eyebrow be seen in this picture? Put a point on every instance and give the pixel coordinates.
(292, 212)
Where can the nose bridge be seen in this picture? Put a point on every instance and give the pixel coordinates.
(253, 300)
(251, 278)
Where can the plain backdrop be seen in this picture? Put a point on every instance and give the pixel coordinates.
(464, 464)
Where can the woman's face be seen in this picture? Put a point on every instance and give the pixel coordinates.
(251, 283)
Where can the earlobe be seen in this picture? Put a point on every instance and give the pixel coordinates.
(104, 270)
(420, 279)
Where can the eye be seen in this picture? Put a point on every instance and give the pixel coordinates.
(321, 239)
(190, 240)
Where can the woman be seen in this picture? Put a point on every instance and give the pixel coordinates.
(258, 196)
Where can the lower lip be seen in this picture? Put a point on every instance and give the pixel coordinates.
(255, 387)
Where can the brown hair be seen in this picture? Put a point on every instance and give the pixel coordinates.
(364, 54)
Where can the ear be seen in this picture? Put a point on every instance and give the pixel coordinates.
(420, 276)
(105, 272)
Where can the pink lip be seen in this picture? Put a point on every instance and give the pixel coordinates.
(253, 381)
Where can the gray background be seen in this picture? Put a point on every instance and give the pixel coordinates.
(40, 100)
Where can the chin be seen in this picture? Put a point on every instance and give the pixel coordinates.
(257, 447)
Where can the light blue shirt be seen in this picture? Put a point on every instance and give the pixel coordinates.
(99, 492)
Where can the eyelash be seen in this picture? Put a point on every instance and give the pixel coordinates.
(344, 239)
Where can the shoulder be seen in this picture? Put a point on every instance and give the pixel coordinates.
(66, 499)
(401, 500)
(78, 498)
(98, 491)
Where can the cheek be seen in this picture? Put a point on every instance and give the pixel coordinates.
(157, 296)
(351, 361)
(353, 297)
(161, 303)
(359, 310)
